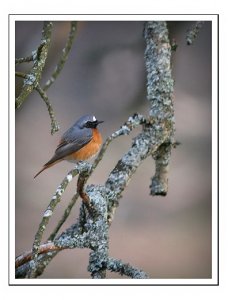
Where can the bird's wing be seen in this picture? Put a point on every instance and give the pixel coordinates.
(70, 144)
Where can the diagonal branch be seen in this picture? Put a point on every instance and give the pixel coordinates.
(48, 213)
(64, 217)
(24, 59)
(27, 256)
(63, 57)
(33, 78)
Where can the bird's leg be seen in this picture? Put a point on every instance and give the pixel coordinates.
(80, 189)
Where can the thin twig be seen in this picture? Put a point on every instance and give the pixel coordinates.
(27, 256)
(64, 217)
(64, 56)
(20, 74)
(43, 95)
(125, 129)
(47, 215)
(24, 59)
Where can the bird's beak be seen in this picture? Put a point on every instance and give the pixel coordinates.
(99, 122)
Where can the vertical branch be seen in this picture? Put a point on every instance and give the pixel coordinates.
(160, 96)
(193, 32)
(159, 183)
(98, 228)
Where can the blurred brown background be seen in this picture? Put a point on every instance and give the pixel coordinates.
(167, 237)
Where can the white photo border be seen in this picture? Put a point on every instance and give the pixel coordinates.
(214, 18)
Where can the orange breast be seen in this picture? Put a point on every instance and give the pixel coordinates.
(89, 150)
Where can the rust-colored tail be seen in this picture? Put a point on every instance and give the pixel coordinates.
(46, 166)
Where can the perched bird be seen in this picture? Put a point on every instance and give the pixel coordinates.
(80, 142)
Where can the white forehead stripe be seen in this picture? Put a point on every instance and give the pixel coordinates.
(94, 119)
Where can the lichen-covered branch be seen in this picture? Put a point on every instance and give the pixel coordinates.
(159, 183)
(160, 96)
(33, 78)
(98, 238)
(48, 212)
(24, 59)
(193, 32)
(64, 56)
(93, 234)
(125, 129)
(116, 265)
(48, 252)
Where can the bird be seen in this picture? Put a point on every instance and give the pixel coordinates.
(81, 141)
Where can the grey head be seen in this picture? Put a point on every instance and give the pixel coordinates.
(87, 121)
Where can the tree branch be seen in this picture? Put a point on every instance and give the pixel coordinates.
(27, 256)
(48, 213)
(160, 96)
(116, 265)
(64, 217)
(63, 57)
(33, 78)
(50, 249)
(193, 32)
(25, 59)
(43, 95)
(159, 183)
(20, 74)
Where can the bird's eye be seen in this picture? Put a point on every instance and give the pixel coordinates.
(89, 124)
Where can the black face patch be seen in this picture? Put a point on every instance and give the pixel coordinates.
(92, 124)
